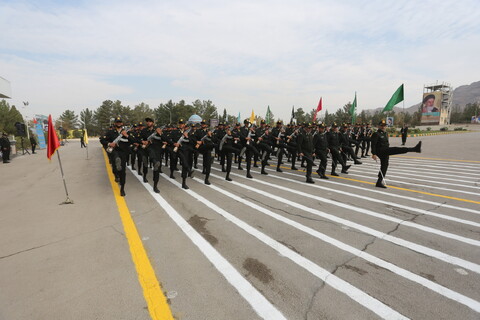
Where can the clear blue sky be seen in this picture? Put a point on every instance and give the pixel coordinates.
(242, 55)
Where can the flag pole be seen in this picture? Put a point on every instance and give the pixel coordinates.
(68, 200)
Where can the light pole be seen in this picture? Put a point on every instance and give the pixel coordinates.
(25, 104)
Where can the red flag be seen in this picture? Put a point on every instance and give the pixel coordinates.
(319, 108)
(35, 120)
(53, 143)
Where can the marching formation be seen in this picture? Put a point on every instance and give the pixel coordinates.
(150, 146)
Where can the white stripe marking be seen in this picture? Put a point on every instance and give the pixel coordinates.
(354, 293)
(401, 242)
(258, 302)
(453, 295)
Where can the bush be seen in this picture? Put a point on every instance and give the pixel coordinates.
(415, 131)
(392, 130)
(444, 129)
(459, 129)
(428, 128)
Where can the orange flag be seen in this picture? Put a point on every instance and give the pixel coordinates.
(53, 143)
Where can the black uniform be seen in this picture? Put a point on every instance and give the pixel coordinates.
(263, 144)
(291, 140)
(184, 152)
(205, 148)
(119, 154)
(320, 144)
(5, 146)
(33, 142)
(145, 150)
(305, 147)
(404, 132)
(278, 141)
(334, 145)
(381, 148)
(227, 150)
(249, 146)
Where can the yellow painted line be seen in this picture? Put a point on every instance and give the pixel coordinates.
(424, 158)
(398, 188)
(156, 301)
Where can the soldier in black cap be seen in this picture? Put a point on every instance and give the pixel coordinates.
(263, 144)
(368, 138)
(218, 134)
(291, 135)
(381, 149)
(238, 144)
(345, 141)
(155, 147)
(306, 149)
(182, 149)
(278, 141)
(227, 149)
(248, 134)
(333, 138)
(205, 145)
(133, 133)
(145, 135)
(320, 144)
(118, 143)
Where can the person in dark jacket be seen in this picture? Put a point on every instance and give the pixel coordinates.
(5, 146)
(33, 143)
(381, 150)
(404, 132)
(320, 144)
(305, 149)
(118, 145)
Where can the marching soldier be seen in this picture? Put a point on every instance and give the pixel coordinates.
(320, 144)
(145, 134)
(263, 143)
(335, 147)
(368, 138)
(227, 148)
(238, 144)
(180, 141)
(155, 147)
(118, 145)
(205, 146)
(278, 140)
(133, 133)
(305, 149)
(291, 139)
(381, 149)
(345, 143)
(248, 136)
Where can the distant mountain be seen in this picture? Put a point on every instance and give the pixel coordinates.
(461, 96)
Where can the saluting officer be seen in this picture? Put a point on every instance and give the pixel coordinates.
(381, 149)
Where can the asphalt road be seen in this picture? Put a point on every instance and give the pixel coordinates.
(271, 247)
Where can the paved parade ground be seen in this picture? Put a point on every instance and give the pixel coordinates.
(271, 247)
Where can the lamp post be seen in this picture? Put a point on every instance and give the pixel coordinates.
(25, 105)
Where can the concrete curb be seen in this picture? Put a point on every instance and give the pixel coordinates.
(428, 134)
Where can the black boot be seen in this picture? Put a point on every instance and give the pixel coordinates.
(228, 177)
(206, 180)
(380, 184)
(145, 178)
(249, 176)
(278, 169)
(171, 175)
(357, 162)
(333, 173)
(122, 191)
(263, 170)
(418, 147)
(184, 184)
(345, 169)
(310, 180)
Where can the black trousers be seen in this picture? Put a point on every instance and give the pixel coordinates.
(33, 148)
(384, 156)
(119, 162)
(185, 156)
(322, 155)
(404, 138)
(307, 157)
(336, 158)
(6, 154)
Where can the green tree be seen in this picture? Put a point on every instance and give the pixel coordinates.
(68, 120)
(141, 111)
(87, 121)
(205, 109)
(225, 115)
(342, 115)
(300, 115)
(104, 115)
(8, 117)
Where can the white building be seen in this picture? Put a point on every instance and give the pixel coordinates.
(5, 89)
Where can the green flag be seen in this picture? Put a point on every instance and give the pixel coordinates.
(396, 98)
(353, 109)
(268, 116)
